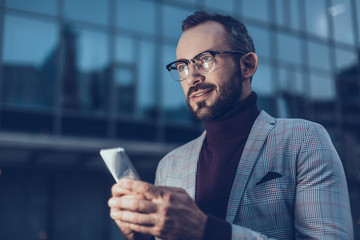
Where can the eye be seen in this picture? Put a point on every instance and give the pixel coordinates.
(206, 58)
(180, 66)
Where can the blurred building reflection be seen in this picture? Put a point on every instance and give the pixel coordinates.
(80, 75)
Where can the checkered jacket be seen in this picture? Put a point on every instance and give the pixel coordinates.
(289, 184)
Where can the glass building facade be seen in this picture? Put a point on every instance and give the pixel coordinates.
(80, 75)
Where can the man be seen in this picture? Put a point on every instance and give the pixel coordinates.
(249, 175)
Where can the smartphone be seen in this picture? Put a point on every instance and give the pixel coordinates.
(118, 163)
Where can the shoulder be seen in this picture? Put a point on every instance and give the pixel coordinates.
(293, 126)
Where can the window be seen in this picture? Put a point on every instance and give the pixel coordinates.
(345, 59)
(148, 70)
(86, 70)
(319, 56)
(256, 9)
(124, 49)
(125, 90)
(316, 20)
(29, 56)
(136, 15)
(172, 20)
(261, 38)
(340, 12)
(226, 5)
(39, 6)
(321, 87)
(289, 48)
(95, 11)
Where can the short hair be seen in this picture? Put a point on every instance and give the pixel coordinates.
(236, 33)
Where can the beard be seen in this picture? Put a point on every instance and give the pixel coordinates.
(227, 98)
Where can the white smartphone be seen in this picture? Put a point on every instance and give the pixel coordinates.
(118, 163)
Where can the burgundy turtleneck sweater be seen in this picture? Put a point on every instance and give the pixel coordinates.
(219, 157)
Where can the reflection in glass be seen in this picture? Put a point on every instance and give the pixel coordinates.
(173, 18)
(124, 49)
(256, 9)
(136, 15)
(147, 70)
(319, 55)
(173, 100)
(261, 40)
(316, 20)
(224, 5)
(322, 87)
(95, 11)
(340, 12)
(289, 48)
(125, 90)
(86, 70)
(29, 56)
(345, 59)
(40, 6)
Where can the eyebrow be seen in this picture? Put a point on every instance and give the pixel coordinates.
(184, 59)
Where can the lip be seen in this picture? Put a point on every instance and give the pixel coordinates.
(201, 95)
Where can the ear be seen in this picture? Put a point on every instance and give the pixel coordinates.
(248, 63)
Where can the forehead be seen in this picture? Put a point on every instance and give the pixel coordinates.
(206, 36)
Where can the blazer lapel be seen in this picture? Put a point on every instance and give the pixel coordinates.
(258, 134)
(189, 169)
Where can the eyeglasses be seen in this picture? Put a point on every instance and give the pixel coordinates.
(204, 63)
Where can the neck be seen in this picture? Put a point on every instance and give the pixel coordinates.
(235, 124)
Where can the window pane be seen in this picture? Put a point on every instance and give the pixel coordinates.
(29, 56)
(124, 49)
(86, 70)
(262, 81)
(340, 11)
(136, 15)
(319, 55)
(41, 6)
(289, 48)
(174, 103)
(125, 90)
(294, 14)
(257, 9)
(147, 83)
(173, 18)
(261, 40)
(95, 11)
(282, 13)
(321, 87)
(316, 21)
(225, 5)
(345, 59)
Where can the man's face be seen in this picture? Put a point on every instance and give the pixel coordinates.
(213, 94)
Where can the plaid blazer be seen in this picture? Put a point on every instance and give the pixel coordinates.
(289, 184)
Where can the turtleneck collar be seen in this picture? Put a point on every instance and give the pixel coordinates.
(239, 120)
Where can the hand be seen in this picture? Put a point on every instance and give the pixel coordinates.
(127, 232)
(164, 212)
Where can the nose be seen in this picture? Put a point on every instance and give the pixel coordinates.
(194, 76)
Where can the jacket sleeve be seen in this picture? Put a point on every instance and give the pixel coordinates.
(322, 207)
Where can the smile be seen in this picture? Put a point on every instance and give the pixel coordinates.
(201, 95)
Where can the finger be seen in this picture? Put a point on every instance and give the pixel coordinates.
(133, 217)
(151, 230)
(133, 203)
(118, 190)
(150, 191)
